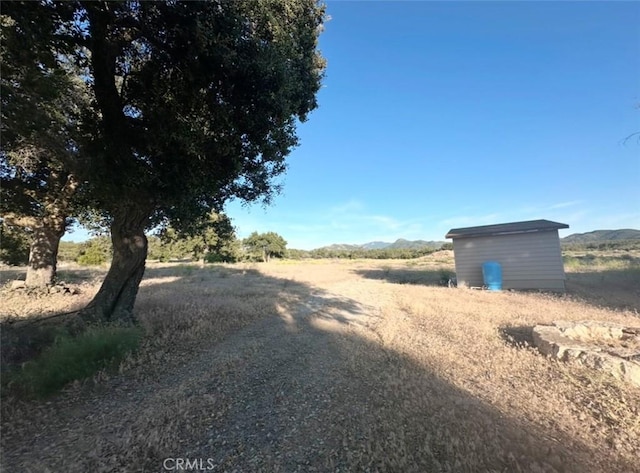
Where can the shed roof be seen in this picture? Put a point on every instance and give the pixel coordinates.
(529, 226)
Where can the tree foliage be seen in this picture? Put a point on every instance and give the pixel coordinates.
(197, 100)
(264, 246)
(42, 100)
(95, 251)
(69, 251)
(14, 246)
(384, 253)
(214, 240)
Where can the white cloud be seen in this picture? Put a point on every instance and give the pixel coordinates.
(352, 205)
(563, 205)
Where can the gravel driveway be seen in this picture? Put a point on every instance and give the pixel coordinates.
(272, 397)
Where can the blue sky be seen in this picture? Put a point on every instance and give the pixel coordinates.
(435, 115)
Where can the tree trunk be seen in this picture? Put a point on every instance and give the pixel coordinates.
(47, 229)
(115, 300)
(43, 254)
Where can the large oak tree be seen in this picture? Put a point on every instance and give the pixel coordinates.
(195, 103)
(42, 98)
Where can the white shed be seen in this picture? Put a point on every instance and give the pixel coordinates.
(528, 252)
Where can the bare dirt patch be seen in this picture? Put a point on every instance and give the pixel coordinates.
(336, 366)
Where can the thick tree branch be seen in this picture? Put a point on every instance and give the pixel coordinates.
(103, 62)
(66, 193)
(21, 221)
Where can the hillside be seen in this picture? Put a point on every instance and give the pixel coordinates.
(399, 244)
(341, 247)
(407, 244)
(374, 245)
(602, 235)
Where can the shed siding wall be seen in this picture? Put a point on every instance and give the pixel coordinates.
(528, 260)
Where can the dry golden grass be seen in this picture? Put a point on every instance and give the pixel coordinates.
(475, 345)
(342, 366)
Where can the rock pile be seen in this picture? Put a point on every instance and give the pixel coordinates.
(604, 346)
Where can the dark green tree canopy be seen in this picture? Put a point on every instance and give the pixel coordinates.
(42, 100)
(212, 238)
(198, 100)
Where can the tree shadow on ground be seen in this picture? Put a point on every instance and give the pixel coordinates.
(517, 336)
(424, 277)
(613, 289)
(65, 275)
(293, 388)
(11, 273)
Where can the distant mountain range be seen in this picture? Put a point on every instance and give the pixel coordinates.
(589, 237)
(603, 235)
(401, 243)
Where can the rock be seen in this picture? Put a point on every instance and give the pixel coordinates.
(60, 288)
(17, 284)
(589, 330)
(578, 342)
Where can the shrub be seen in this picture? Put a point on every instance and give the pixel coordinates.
(570, 261)
(219, 258)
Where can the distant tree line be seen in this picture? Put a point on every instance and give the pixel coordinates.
(210, 246)
(384, 253)
(620, 245)
(214, 244)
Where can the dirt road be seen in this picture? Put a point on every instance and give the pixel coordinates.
(273, 397)
(318, 384)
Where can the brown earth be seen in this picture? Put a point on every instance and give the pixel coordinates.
(333, 366)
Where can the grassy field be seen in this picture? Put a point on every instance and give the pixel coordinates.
(426, 377)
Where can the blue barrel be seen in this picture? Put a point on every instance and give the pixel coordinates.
(492, 275)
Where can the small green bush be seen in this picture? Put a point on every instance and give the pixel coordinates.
(215, 257)
(73, 358)
(570, 261)
(91, 259)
